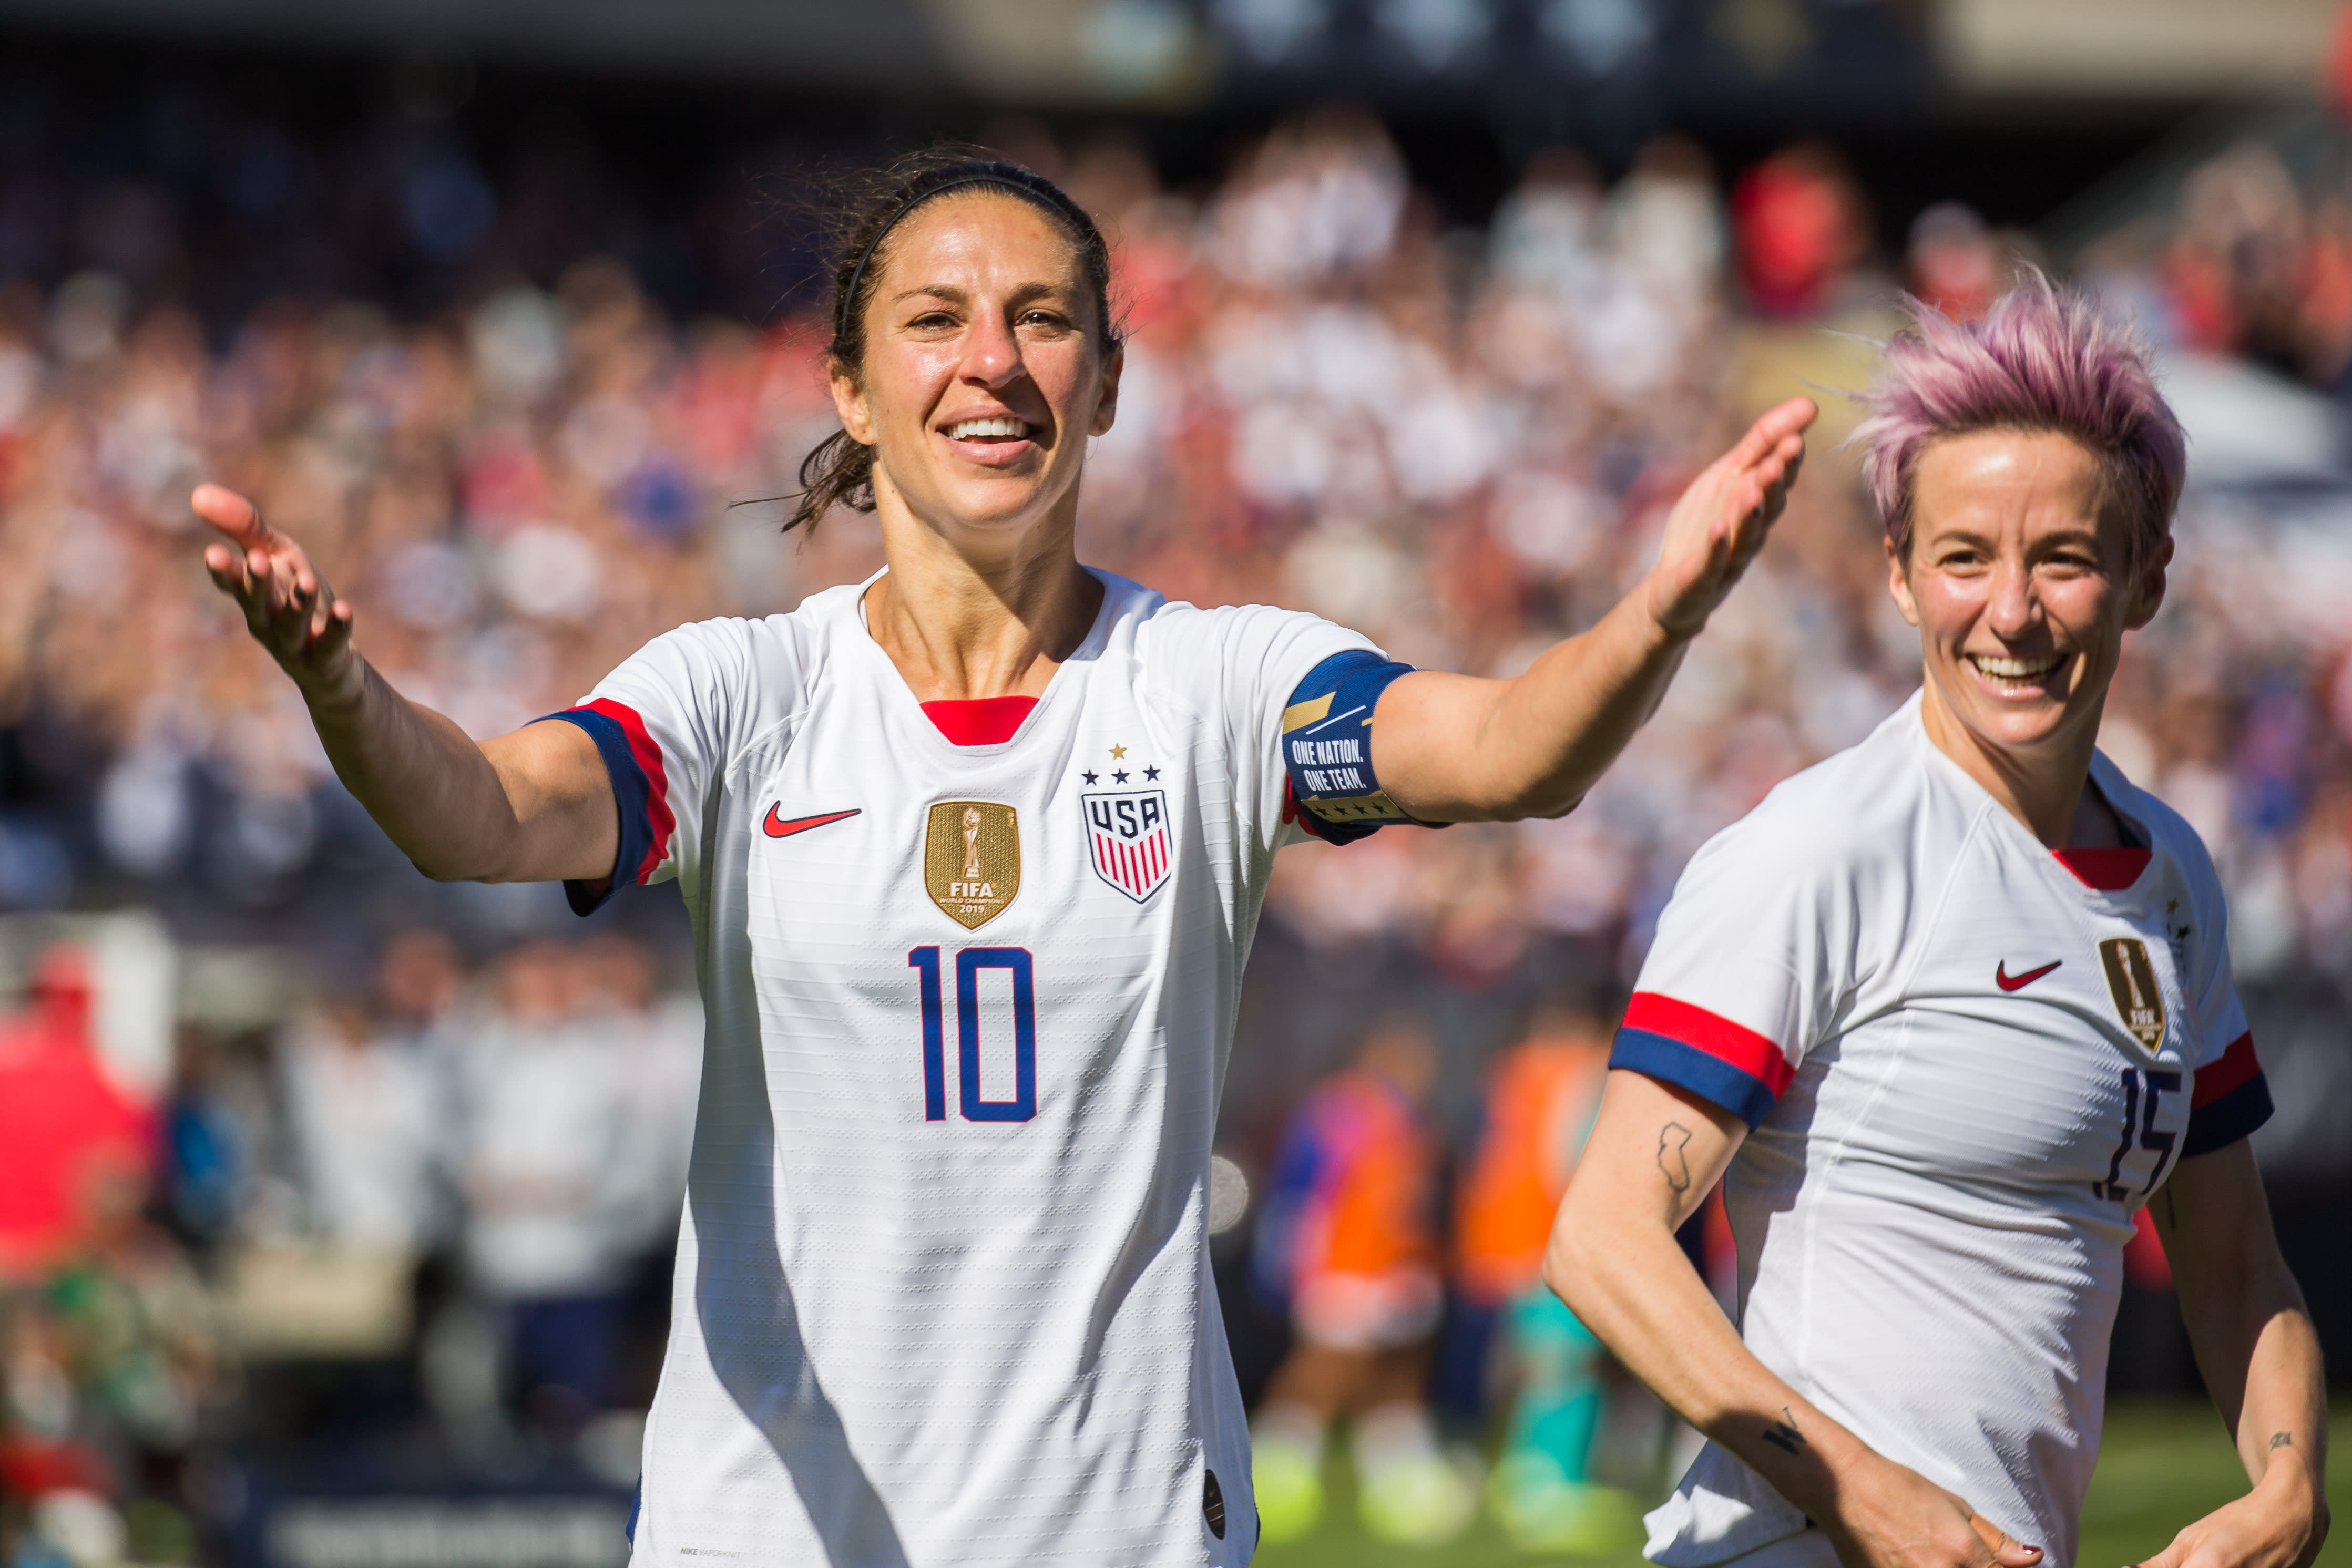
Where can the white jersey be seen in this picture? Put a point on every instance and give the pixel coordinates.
(1967, 1061)
(943, 1291)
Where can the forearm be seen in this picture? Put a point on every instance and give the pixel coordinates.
(426, 783)
(2259, 1354)
(1633, 1286)
(2283, 1418)
(1452, 749)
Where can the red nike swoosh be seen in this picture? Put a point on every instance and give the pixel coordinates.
(2001, 975)
(775, 827)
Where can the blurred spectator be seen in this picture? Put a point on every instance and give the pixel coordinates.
(1799, 224)
(545, 1110)
(1542, 1095)
(73, 1137)
(367, 1094)
(1347, 1237)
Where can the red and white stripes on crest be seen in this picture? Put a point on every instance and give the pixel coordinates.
(1128, 837)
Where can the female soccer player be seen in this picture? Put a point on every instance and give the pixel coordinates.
(1959, 1001)
(974, 852)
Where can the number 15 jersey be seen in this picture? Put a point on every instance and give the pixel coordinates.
(943, 1291)
(1966, 1061)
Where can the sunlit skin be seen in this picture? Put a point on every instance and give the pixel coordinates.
(980, 312)
(2019, 581)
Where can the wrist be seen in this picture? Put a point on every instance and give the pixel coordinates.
(1662, 625)
(335, 699)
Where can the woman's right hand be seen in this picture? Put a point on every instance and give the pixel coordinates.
(288, 606)
(1891, 1516)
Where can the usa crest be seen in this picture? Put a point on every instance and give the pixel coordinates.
(1126, 834)
(971, 860)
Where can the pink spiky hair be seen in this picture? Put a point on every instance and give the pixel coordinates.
(2041, 358)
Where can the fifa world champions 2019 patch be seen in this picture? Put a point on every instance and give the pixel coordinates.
(1327, 746)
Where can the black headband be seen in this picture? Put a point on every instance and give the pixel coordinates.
(843, 306)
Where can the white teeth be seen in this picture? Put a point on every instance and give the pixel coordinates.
(965, 429)
(2015, 669)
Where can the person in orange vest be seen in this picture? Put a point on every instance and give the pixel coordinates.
(1541, 1097)
(1347, 1238)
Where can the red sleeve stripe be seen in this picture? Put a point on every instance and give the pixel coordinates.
(659, 819)
(2230, 1072)
(1730, 1043)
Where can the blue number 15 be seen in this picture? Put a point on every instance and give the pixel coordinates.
(970, 962)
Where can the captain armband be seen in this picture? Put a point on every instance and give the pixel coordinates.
(1327, 746)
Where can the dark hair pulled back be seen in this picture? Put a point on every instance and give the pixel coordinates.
(840, 471)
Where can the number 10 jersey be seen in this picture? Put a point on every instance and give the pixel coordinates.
(943, 1291)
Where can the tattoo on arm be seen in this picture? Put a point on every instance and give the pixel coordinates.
(1783, 1433)
(2281, 1441)
(1672, 1139)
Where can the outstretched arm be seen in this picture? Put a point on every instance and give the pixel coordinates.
(532, 806)
(2259, 1355)
(1456, 748)
(1654, 1154)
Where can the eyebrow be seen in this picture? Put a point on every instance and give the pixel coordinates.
(950, 293)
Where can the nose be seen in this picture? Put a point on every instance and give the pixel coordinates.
(992, 354)
(2010, 609)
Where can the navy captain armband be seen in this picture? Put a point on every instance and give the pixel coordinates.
(1327, 746)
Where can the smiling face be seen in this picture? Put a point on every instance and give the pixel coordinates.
(984, 371)
(2019, 580)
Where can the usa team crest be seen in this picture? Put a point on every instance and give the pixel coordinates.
(1127, 835)
(971, 860)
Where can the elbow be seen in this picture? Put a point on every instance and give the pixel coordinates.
(1573, 1264)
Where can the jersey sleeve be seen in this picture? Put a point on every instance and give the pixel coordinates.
(663, 722)
(1263, 654)
(1753, 954)
(2229, 1098)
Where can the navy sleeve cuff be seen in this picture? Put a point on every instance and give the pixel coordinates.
(2233, 1116)
(1712, 1078)
(629, 793)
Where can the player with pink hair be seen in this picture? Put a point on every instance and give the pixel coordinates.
(1943, 1014)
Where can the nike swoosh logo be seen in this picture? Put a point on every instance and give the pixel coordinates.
(2001, 975)
(775, 827)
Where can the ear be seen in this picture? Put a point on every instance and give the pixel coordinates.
(2148, 589)
(1107, 409)
(849, 402)
(1898, 583)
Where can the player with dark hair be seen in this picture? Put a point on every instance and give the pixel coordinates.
(974, 852)
(1958, 1000)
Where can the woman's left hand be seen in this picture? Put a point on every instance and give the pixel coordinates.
(1721, 520)
(2274, 1526)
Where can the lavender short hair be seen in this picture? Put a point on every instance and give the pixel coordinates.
(2041, 358)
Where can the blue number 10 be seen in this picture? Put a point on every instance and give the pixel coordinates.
(970, 962)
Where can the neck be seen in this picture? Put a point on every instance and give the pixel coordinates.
(2045, 789)
(959, 624)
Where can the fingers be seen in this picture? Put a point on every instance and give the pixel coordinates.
(2007, 1552)
(231, 513)
(1773, 430)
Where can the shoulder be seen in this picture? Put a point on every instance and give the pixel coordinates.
(1850, 817)
(1261, 640)
(2170, 834)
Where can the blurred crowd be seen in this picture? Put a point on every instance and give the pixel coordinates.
(1461, 441)
(468, 1180)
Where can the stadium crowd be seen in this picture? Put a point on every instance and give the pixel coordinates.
(1461, 442)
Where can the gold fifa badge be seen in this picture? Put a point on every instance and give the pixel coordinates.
(2131, 980)
(971, 860)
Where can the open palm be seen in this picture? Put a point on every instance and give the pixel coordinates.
(1723, 519)
(288, 606)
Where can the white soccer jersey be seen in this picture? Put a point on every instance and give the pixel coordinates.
(1967, 1061)
(943, 1291)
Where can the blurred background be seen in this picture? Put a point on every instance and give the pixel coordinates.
(336, 1207)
